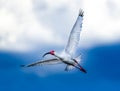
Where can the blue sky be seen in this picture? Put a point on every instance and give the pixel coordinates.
(29, 28)
(101, 63)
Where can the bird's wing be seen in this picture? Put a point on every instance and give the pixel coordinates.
(78, 58)
(74, 35)
(49, 61)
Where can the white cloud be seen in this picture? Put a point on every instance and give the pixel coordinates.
(99, 27)
(19, 27)
(27, 23)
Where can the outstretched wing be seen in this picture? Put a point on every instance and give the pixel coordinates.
(74, 35)
(49, 61)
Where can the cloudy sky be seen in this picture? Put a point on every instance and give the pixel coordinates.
(28, 28)
(25, 24)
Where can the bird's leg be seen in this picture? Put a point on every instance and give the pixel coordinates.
(80, 67)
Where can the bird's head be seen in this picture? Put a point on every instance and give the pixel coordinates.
(52, 52)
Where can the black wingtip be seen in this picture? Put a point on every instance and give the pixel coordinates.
(81, 13)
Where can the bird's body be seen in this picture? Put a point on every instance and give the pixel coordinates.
(69, 51)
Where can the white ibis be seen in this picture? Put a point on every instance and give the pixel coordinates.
(69, 50)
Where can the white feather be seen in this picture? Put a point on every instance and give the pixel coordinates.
(74, 35)
(43, 62)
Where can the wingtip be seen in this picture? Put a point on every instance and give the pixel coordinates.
(81, 13)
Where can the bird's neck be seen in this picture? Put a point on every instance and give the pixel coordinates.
(58, 56)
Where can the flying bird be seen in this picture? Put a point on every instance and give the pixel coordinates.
(66, 56)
